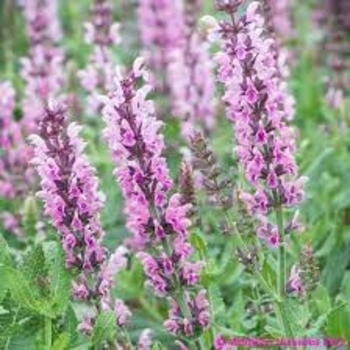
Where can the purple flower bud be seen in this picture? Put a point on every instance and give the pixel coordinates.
(145, 340)
(86, 326)
(171, 326)
(122, 312)
(294, 284)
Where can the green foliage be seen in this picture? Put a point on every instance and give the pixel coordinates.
(59, 277)
(34, 282)
(62, 342)
(38, 288)
(105, 328)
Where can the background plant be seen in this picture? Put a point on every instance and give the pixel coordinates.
(238, 272)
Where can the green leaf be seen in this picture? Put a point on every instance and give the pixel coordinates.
(199, 243)
(35, 271)
(3, 291)
(338, 322)
(274, 331)
(60, 280)
(333, 273)
(321, 300)
(298, 314)
(5, 257)
(157, 346)
(70, 323)
(105, 328)
(3, 311)
(345, 288)
(131, 282)
(62, 342)
(20, 289)
(217, 302)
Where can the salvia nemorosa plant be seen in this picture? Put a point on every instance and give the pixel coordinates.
(101, 33)
(277, 14)
(15, 175)
(190, 76)
(161, 26)
(42, 69)
(11, 161)
(159, 224)
(212, 255)
(69, 190)
(336, 19)
(260, 108)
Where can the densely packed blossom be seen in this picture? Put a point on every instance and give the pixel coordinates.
(336, 20)
(161, 25)
(159, 226)
(49, 9)
(190, 76)
(15, 174)
(279, 18)
(69, 190)
(101, 33)
(259, 106)
(42, 69)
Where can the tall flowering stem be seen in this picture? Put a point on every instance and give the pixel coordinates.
(15, 174)
(191, 75)
(259, 106)
(69, 190)
(101, 33)
(159, 225)
(337, 45)
(278, 17)
(42, 69)
(162, 28)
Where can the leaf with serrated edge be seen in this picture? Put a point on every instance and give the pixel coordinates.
(59, 277)
(105, 328)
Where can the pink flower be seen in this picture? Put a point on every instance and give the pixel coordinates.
(42, 69)
(122, 312)
(80, 291)
(171, 326)
(295, 284)
(16, 177)
(86, 327)
(159, 225)
(145, 340)
(161, 26)
(101, 33)
(260, 107)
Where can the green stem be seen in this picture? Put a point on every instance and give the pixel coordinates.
(282, 275)
(127, 339)
(180, 298)
(257, 274)
(13, 324)
(150, 309)
(278, 297)
(48, 333)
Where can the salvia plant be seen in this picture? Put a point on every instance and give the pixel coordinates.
(173, 176)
